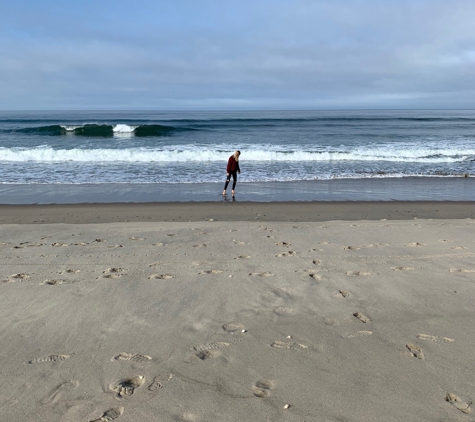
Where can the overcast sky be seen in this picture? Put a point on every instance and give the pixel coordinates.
(247, 54)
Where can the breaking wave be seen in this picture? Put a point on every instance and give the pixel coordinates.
(99, 130)
(262, 154)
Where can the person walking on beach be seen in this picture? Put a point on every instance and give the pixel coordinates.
(232, 169)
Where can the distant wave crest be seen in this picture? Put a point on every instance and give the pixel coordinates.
(98, 130)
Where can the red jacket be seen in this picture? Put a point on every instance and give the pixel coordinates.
(233, 165)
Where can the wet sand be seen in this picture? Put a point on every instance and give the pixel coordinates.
(233, 211)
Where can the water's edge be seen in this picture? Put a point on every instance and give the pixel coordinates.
(397, 189)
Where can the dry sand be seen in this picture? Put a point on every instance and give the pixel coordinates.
(237, 321)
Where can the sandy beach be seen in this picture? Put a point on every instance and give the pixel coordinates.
(237, 312)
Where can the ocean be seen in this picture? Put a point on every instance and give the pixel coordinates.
(289, 155)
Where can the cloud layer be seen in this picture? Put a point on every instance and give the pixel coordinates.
(237, 55)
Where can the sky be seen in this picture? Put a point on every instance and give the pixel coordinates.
(228, 55)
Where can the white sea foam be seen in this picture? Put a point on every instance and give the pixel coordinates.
(151, 155)
(124, 128)
(70, 128)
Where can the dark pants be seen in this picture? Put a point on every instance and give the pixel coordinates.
(228, 178)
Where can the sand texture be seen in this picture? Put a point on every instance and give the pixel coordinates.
(238, 321)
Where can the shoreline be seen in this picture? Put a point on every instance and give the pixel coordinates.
(335, 190)
(234, 211)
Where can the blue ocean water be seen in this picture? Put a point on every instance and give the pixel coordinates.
(81, 147)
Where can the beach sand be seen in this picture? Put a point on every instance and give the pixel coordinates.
(362, 319)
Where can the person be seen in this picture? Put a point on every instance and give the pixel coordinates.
(232, 170)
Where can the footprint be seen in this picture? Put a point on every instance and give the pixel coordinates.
(110, 415)
(136, 238)
(403, 268)
(203, 245)
(232, 327)
(261, 388)
(283, 244)
(155, 385)
(416, 244)
(133, 357)
(350, 248)
(115, 246)
(50, 358)
(238, 242)
(110, 276)
(54, 282)
(160, 276)
(19, 276)
(288, 345)
(70, 271)
(211, 272)
(187, 417)
(211, 346)
(462, 270)
(266, 274)
(208, 354)
(359, 273)
(242, 257)
(80, 244)
(157, 244)
(358, 334)
(416, 351)
(361, 317)
(202, 262)
(459, 403)
(289, 253)
(23, 245)
(99, 240)
(282, 311)
(127, 386)
(56, 394)
(459, 247)
(113, 270)
(428, 337)
(316, 277)
(57, 244)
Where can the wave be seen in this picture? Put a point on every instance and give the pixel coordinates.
(263, 154)
(98, 130)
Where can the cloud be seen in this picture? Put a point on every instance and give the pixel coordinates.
(210, 54)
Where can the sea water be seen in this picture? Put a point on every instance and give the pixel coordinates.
(91, 148)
